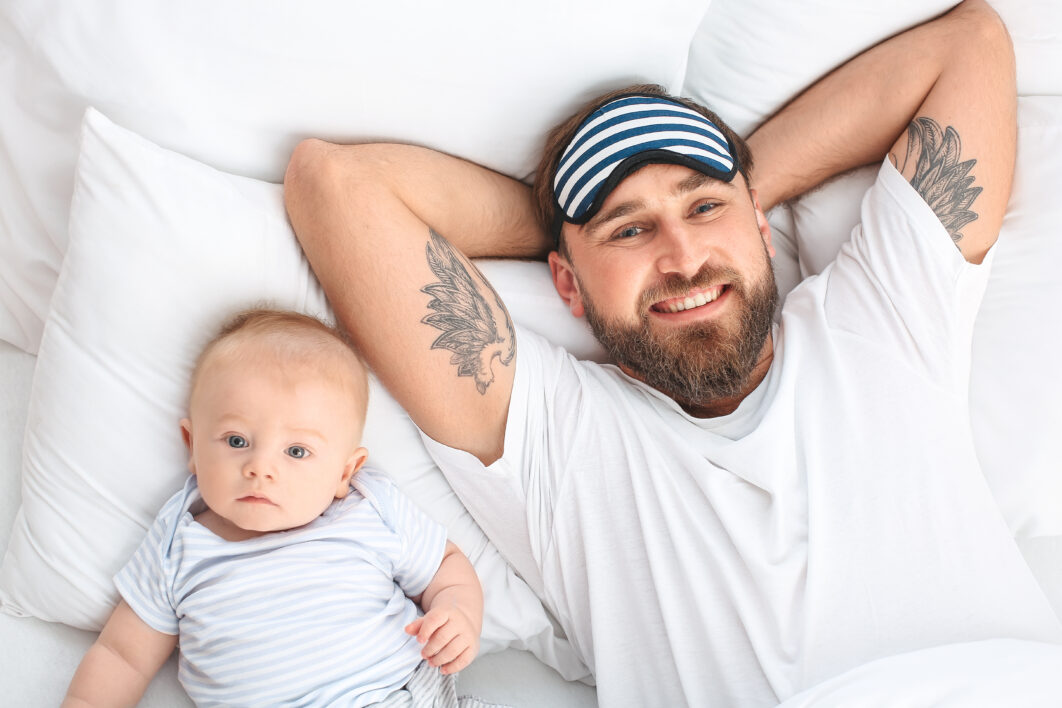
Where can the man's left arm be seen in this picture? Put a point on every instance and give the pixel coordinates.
(939, 100)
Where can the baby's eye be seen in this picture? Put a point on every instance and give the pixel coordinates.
(297, 451)
(237, 441)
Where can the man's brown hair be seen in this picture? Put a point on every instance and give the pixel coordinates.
(561, 135)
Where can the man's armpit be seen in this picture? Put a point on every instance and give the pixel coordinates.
(467, 310)
(934, 167)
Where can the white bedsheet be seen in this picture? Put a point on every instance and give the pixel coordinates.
(989, 674)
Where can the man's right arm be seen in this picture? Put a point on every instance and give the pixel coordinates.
(388, 230)
(950, 83)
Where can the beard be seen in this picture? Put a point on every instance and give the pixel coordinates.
(702, 362)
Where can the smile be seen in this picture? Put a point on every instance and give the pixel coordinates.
(691, 300)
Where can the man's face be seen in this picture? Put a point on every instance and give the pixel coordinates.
(674, 277)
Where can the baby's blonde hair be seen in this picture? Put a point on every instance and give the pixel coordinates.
(289, 337)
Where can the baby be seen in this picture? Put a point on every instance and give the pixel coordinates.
(287, 575)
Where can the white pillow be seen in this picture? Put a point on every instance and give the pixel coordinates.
(749, 57)
(236, 84)
(162, 249)
(1015, 397)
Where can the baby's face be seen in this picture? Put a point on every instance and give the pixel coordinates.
(271, 445)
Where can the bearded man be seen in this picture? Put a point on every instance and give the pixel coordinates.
(736, 509)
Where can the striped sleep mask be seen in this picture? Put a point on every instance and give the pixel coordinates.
(629, 132)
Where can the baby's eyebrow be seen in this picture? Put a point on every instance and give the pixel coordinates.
(231, 418)
(308, 433)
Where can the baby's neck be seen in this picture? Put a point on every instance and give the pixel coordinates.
(225, 529)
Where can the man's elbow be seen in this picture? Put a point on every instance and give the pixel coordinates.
(321, 175)
(982, 30)
(308, 170)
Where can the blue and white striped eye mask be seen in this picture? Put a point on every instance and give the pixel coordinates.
(625, 134)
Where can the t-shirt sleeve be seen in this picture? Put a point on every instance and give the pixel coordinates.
(146, 581)
(901, 282)
(421, 541)
(511, 499)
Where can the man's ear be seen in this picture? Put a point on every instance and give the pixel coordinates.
(762, 223)
(565, 282)
(186, 435)
(354, 463)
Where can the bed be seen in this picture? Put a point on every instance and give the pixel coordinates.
(142, 149)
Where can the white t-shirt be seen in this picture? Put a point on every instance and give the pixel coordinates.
(312, 616)
(837, 516)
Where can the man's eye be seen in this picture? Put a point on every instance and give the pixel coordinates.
(704, 207)
(297, 451)
(237, 441)
(629, 232)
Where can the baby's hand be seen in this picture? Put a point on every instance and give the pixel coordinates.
(449, 638)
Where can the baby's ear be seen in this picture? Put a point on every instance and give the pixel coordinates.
(186, 435)
(354, 463)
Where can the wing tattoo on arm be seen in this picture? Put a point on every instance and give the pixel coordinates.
(940, 177)
(467, 320)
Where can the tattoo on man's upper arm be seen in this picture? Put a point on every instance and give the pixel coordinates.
(468, 321)
(942, 179)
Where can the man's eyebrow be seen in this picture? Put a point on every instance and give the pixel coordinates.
(687, 185)
(616, 212)
(699, 179)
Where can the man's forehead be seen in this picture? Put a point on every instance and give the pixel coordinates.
(637, 188)
(676, 179)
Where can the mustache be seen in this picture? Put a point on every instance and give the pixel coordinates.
(676, 285)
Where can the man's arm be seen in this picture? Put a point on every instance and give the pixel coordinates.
(388, 230)
(939, 100)
(121, 663)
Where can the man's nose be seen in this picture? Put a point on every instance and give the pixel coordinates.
(681, 249)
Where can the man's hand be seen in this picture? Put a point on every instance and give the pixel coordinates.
(449, 636)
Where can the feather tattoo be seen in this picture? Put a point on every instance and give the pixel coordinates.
(467, 321)
(940, 176)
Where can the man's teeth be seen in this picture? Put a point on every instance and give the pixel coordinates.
(691, 302)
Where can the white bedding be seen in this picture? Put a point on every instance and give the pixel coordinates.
(181, 81)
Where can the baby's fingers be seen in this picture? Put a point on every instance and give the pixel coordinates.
(442, 637)
(461, 661)
(429, 625)
(447, 652)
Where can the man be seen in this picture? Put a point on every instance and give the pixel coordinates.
(736, 511)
